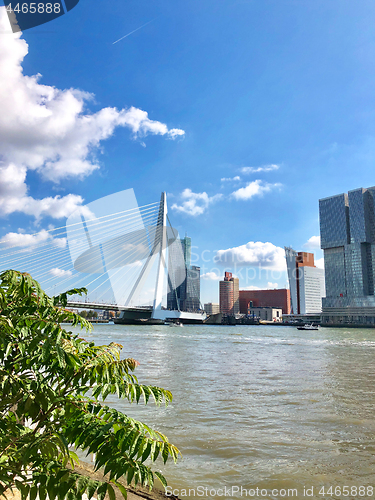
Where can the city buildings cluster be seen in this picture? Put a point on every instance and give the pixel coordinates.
(342, 293)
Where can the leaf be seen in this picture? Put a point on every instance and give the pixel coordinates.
(102, 490)
(111, 492)
(161, 478)
(123, 490)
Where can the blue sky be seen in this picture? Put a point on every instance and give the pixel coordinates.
(274, 96)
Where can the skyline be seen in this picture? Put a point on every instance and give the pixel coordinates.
(246, 116)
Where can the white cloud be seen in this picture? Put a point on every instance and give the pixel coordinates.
(25, 240)
(60, 242)
(231, 179)
(253, 254)
(211, 276)
(254, 188)
(60, 273)
(194, 203)
(14, 198)
(320, 263)
(49, 130)
(22, 239)
(313, 242)
(264, 168)
(272, 286)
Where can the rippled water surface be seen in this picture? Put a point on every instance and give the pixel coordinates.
(258, 406)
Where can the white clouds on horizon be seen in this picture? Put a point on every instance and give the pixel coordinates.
(313, 243)
(211, 276)
(320, 263)
(194, 203)
(23, 240)
(272, 286)
(49, 130)
(253, 254)
(60, 273)
(255, 170)
(254, 188)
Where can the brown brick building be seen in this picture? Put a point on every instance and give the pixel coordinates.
(265, 298)
(229, 295)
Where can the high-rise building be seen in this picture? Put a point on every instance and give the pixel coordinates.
(306, 282)
(193, 289)
(186, 295)
(211, 308)
(229, 295)
(347, 230)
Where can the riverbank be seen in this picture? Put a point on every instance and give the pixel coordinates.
(133, 493)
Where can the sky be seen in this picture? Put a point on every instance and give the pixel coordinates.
(244, 112)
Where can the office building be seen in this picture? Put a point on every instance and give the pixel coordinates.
(229, 295)
(278, 298)
(184, 279)
(306, 282)
(265, 313)
(347, 230)
(211, 308)
(193, 289)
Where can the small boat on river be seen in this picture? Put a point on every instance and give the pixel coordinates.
(309, 326)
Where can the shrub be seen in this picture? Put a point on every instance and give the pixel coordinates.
(53, 385)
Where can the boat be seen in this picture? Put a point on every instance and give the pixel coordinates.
(308, 326)
(175, 323)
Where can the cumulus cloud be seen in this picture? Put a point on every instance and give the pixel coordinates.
(313, 242)
(49, 130)
(60, 242)
(320, 263)
(14, 197)
(255, 170)
(271, 285)
(60, 273)
(254, 188)
(211, 276)
(253, 254)
(23, 240)
(237, 178)
(194, 203)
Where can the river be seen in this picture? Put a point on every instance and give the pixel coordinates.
(267, 407)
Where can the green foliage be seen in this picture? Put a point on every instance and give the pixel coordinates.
(53, 385)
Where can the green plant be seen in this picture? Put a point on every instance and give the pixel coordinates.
(53, 385)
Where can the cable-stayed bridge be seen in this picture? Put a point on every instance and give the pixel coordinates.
(117, 250)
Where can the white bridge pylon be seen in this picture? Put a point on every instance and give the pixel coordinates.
(134, 255)
(158, 250)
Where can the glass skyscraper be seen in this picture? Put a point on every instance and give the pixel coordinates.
(186, 296)
(347, 231)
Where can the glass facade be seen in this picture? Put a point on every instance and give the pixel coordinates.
(334, 221)
(185, 296)
(193, 289)
(347, 225)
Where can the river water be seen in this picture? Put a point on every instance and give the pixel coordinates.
(267, 407)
